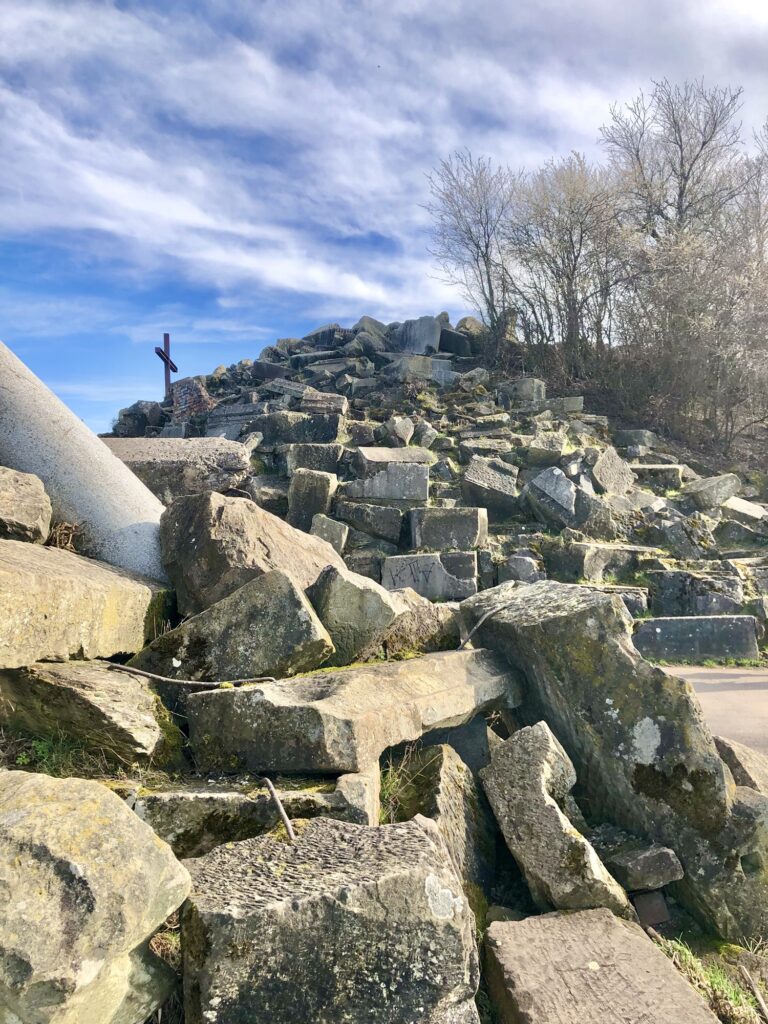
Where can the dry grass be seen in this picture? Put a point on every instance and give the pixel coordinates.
(65, 536)
(728, 999)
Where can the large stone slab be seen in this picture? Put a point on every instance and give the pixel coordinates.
(440, 577)
(377, 520)
(86, 483)
(585, 968)
(172, 466)
(698, 637)
(25, 508)
(417, 337)
(342, 721)
(353, 924)
(528, 778)
(310, 493)
(112, 712)
(85, 884)
(492, 484)
(56, 605)
(297, 427)
(611, 474)
(213, 545)
(400, 484)
(712, 491)
(266, 628)
(644, 755)
(370, 461)
(449, 529)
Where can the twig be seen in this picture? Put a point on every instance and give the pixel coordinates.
(280, 809)
(212, 684)
(755, 992)
(493, 611)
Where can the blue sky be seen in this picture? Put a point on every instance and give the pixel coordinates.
(234, 171)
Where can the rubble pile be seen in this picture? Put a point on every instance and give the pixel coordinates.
(390, 722)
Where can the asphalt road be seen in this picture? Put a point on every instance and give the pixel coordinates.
(735, 701)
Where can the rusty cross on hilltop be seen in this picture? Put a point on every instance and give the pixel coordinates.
(170, 367)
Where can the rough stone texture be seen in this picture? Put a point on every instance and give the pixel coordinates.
(323, 457)
(524, 568)
(266, 628)
(113, 712)
(444, 789)
(171, 466)
(528, 777)
(526, 390)
(342, 721)
(400, 484)
(611, 474)
(421, 626)
(212, 545)
(441, 529)
(86, 483)
(546, 448)
(687, 592)
(370, 461)
(298, 427)
(659, 477)
(349, 925)
(492, 484)
(331, 531)
(585, 968)
(667, 783)
(628, 438)
(25, 508)
(310, 493)
(55, 605)
(696, 638)
(356, 611)
(635, 863)
(749, 513)
(712, 491)
(749, 767)
(376, 520)
(438, 577)
(571, 561)
(552, 496)
(85, 885)
(417, 337)
(195, 817)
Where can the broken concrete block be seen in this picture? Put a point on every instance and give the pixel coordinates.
(86, 483)
(356, 611)
(697, 638)
(611, 474)
(86, 885)
(171, 467)
(492, 484)
(365, 925)
(330, 530)
(213, 545)
(445, 529)
(265, 628)
(635, 863)
(342, 721)
(528, 777)
(195, 817)
(25, 508)
(712, 491)
(113, 712)
(56, 605)
(585, 967)
(310, 492)
(440, 577)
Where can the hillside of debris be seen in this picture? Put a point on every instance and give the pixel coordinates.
(333, 690)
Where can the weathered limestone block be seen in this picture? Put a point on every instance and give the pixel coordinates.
(611, 474)
(659, 477)
(712, 491)
(400, 484)
(400, 429)
(749, 767)
(422, 626)
(195, 817)
(645, 757)
(635, 863)
(86, 483)
(56, 605)
(231, 420)
(212, 545)
(585, 967)
(113, 712)
(528, 777)
(376, 520)
(440, 577)
(323, 457)
(266, 628)
(349, 925)
(444, 789)
(525, 390)
(546, 448)
(628, 438)
(416, 337)
(171, 466)
(749, 513)
(689, 592)
(552, 496)
(311, 492)
(697, 637)
(25, 508)
(492, 484)
(342, 721)
(523, 568)
(446, 529)
(356, 611)
(370, 461)
(573, 561)
(298, 428)
(331, 531)
(85, 885)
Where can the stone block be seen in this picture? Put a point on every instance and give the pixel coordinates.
(611, 474)
(439, 577)
(310, 493)
(322, 457)
(712, 491)
(628, 438)
(698, 638)
(377, 520)
(416, 337)
(25, 508)
(492, 484)
(635, 863)
(298, 427)
(400, 484)
(331, 531)
(444, 529)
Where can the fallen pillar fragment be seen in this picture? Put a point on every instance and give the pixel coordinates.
(118, 516)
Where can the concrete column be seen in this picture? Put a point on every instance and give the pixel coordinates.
(86, 483)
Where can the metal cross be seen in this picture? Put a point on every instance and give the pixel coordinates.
(165, 355)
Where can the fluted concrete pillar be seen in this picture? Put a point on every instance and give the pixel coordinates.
(87, 484)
